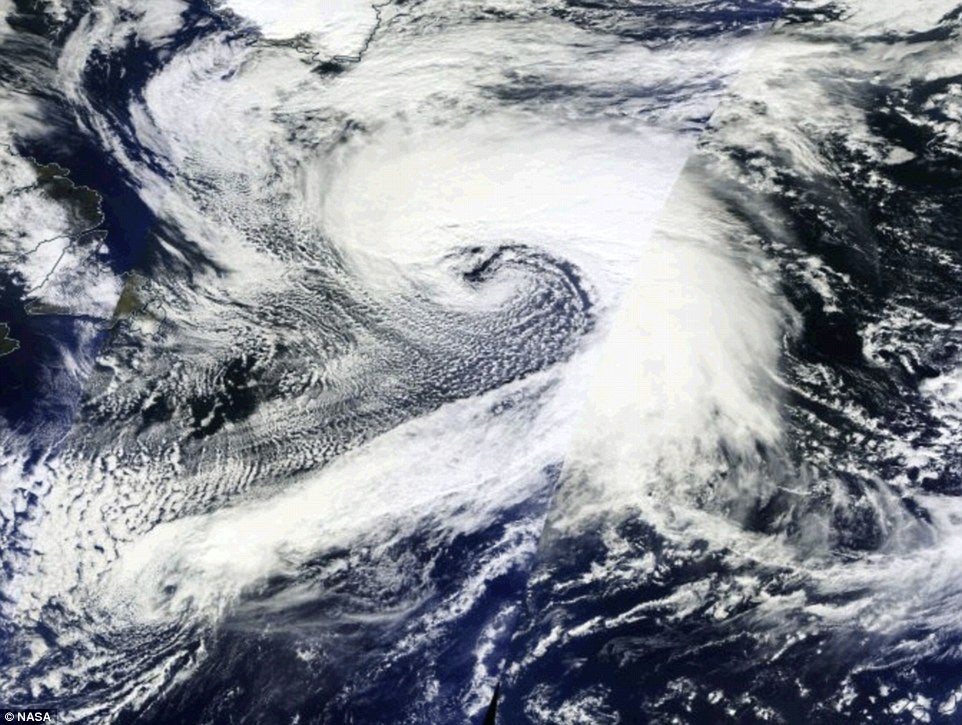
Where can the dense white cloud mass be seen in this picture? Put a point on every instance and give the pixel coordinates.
(334, 27)
(764, 489)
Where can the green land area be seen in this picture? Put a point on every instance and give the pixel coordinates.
(7, 343)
